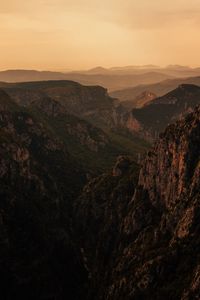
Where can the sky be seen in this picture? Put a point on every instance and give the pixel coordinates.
(81, 34)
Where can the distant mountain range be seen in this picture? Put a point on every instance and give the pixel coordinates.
(116, 78)
(175, 70)
(110, 80)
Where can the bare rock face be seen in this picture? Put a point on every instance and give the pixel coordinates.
(173, 163)
(151, 252)
(162, 223)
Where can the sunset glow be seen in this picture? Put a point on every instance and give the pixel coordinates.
(66, 34)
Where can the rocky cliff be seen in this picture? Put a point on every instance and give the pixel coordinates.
(142, 239)
(89, 102)
(105, 130)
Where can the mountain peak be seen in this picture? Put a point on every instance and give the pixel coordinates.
(98, 70)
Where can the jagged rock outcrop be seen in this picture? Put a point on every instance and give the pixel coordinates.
(174, 161)
(143, 244)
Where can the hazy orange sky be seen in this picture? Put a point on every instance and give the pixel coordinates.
(62, 34)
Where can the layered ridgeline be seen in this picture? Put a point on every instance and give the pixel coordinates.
(126, 130)
(113, 80)
(141, 241)
(161, 88)
(153, 118)
(91, 104)
(39, 181)
(116, 78)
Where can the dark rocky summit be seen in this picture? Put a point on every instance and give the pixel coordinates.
(141, 241)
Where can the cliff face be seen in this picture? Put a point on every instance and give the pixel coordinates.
(173, 162)
(89, 102)
(152, 252)
(93, 125)
(163, 222)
